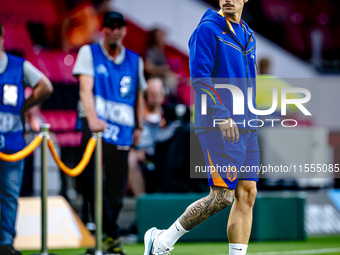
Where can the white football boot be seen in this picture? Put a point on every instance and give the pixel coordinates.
(152, 247)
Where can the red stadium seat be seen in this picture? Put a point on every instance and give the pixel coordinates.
(60, 121)
(69, 139)
(63, 124)
(34, 10)
(136, 39)
(17, 38)
(56, 65)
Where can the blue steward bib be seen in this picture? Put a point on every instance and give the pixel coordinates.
(115, 93)
(12, 99)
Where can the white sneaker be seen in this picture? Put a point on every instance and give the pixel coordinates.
(152, 247)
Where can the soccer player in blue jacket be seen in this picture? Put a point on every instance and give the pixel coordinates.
(15, 74)
(222, 52)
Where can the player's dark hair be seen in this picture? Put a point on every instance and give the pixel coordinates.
(1, 30)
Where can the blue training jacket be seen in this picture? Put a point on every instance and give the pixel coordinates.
(217, 57)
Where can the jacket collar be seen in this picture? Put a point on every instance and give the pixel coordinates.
(228, 22)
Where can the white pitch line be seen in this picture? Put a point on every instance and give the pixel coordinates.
(320, 251)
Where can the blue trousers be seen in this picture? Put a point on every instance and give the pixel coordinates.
(11, 174)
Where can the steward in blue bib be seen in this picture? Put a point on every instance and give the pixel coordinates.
(115, 93)
(12, 100)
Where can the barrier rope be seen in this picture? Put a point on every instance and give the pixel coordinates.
(37, 140)
(23, 153)
(82, 164)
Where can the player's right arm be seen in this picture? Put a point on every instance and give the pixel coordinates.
(86, 96)
(84, 69)
(203, 51)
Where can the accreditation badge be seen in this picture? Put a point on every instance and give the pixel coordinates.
(125, 86)
(10, 95)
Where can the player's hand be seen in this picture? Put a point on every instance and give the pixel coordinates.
(137, 135)
(230, 131)
(97, 125)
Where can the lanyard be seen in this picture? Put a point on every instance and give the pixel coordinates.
(232, 29)
(229, 24)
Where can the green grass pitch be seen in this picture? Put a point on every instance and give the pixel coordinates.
(324, 246)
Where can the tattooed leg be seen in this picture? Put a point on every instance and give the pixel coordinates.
(218, 199)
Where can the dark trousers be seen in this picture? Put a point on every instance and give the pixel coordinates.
(115, 165)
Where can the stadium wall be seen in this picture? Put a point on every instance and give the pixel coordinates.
(180, 17)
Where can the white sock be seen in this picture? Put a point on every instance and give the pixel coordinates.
(170, 236)
(237, 249)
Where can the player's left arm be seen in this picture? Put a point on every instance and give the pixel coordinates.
(139, 109)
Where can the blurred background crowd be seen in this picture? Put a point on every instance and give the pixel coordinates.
(296, 39)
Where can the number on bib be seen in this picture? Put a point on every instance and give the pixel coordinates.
(111, 132)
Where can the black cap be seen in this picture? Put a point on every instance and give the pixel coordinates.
(113, 17)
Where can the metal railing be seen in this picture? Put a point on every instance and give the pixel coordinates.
(95, 142)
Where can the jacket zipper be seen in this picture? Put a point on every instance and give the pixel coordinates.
(245, 56)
